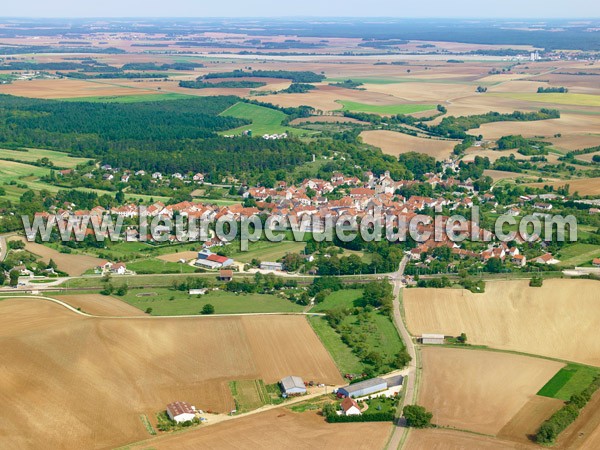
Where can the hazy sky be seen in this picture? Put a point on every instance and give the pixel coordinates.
(280, 8)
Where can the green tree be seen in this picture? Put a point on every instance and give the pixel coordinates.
(329, 409)
(462, 338)
(14, 277)
(120, 197)
(122, 290)
(148, 310)
(417, 416)
(493, 265)
(208, 309)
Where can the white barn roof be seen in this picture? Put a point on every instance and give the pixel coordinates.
(292, 382)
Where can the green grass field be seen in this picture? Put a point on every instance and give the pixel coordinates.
(569, 380)
(264, 120)
(383, 109)
(249, 394)
(345, 298)
(578, 254)
(60, 159)
(268, 251)
(168, 302)
(556, 98)
(153, 265)
(345, 360)
(157, 97)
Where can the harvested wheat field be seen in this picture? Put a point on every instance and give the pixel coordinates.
(479, 390)
(423, 92)
(278, 428)
(72, 264)
(525, 424)
(100, 305)
(394, 143)
(84, 384)
(558, 320)
(576, 142)
(567, 125)
(441, 439)
(585, 186)
(325, 98)
(175, 257)
(68, 88)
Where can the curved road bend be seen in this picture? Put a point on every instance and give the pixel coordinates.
(400, 430)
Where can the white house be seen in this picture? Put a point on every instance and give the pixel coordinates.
(350, 407)
(181, 411)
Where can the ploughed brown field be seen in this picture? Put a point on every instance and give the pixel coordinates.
(558, 320)
(74, 382)
(278, 428)
(72, 264)
(444, 439)
(100, 305)
(395, 143)
(478, 390)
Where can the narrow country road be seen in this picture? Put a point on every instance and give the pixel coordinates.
(3, 247)
(400, 429)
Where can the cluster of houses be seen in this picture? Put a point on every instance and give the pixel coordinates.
(110, 173)
(376, 196)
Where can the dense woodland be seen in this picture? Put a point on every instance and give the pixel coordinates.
(199, 84)
(294, 75)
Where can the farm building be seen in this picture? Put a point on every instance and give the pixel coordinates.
(432, 339)
(181, 411)
(292, 386)
(350, 407)
(363, 388)
(210, 260)
(271, 266)
(596, 262)
(226, 275)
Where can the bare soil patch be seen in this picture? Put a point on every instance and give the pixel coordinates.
(72, 264)
(100, 305)
(175, 257)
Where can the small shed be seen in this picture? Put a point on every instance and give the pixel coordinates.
(226, 275)
(292, 385)
(429, 338)
(271, 266)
